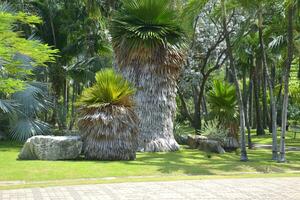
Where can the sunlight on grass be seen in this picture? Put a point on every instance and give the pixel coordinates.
(183, 162)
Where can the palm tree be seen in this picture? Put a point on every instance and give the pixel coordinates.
(223, 104)
(286, 76)
(244, 156)
(108, 122)
(147, 40)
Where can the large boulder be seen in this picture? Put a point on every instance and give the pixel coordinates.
(204, 144)
(51, 148)
(193, 140)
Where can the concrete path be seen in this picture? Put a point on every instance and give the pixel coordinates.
(240, 189)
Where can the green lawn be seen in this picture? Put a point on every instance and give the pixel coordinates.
(175, 164)
(267, 139)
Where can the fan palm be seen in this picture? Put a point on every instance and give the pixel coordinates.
(23, 111)
(148, 40)
(222, 100)
(108, 122)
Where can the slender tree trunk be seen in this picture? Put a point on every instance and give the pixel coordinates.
(266, 117)
(299, 68)
(245, 98)
(269, 81)
(72, 120)
(155, 106)
(236, 83)
(259, 125)
(286, 76)
(204, 106)
(197, 113)
(249, 106)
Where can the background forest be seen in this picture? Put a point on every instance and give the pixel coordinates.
(241, 69)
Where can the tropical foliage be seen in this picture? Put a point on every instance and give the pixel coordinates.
(110, 89)
(222, 101)
(146, 31)
(233, 62)
(107, 120)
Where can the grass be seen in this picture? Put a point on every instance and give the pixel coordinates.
(267, 139)
(264, 139)
(174, 165)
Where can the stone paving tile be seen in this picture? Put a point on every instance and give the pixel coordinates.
(231, 189)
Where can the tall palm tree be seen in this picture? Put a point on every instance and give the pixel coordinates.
(148, 40)
(244, 156)
(286, 75)
(107, 120)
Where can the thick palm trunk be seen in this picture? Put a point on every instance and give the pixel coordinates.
(155, 106)
(236, 83)
(286, 82)
(272, 100)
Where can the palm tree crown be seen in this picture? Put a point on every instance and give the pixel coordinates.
(147, 31)
(110, 89)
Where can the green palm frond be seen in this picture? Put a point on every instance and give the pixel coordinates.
(8, 106)
(222, 99)
(146, 31)
(110, 89)
(32, 101)
(24, 128)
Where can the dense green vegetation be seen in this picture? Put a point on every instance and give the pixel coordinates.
(220, 68)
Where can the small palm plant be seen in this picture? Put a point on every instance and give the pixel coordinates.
(223, 104)
(108, 122)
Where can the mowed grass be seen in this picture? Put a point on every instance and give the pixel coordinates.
(267, 139)
(182, 163)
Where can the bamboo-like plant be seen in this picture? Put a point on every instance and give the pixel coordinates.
(147, 40)
(107, 121)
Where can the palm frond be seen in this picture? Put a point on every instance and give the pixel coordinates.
(222, 99)
(23, 128)
(146, 31)
(33, 99)
(8, 106)
(110, 89)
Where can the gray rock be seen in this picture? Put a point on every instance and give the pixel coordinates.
(210, 146)
(204, 144)
(193, 140)
(51, 148)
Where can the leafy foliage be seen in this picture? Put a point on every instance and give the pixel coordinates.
(11, 44)
(146, 31)
(222, 100)
(110, 89)
(215, 132)
(24, 121)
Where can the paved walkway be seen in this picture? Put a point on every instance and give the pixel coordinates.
(241, 189)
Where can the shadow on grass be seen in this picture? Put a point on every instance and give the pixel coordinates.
(185, 161)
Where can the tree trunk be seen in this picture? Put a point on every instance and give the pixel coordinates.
(236, 83)
(155, 106)
(266, 117)
(245, 98)
(272, 100)
(286, 76)
(259, 125)
(197, 113)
